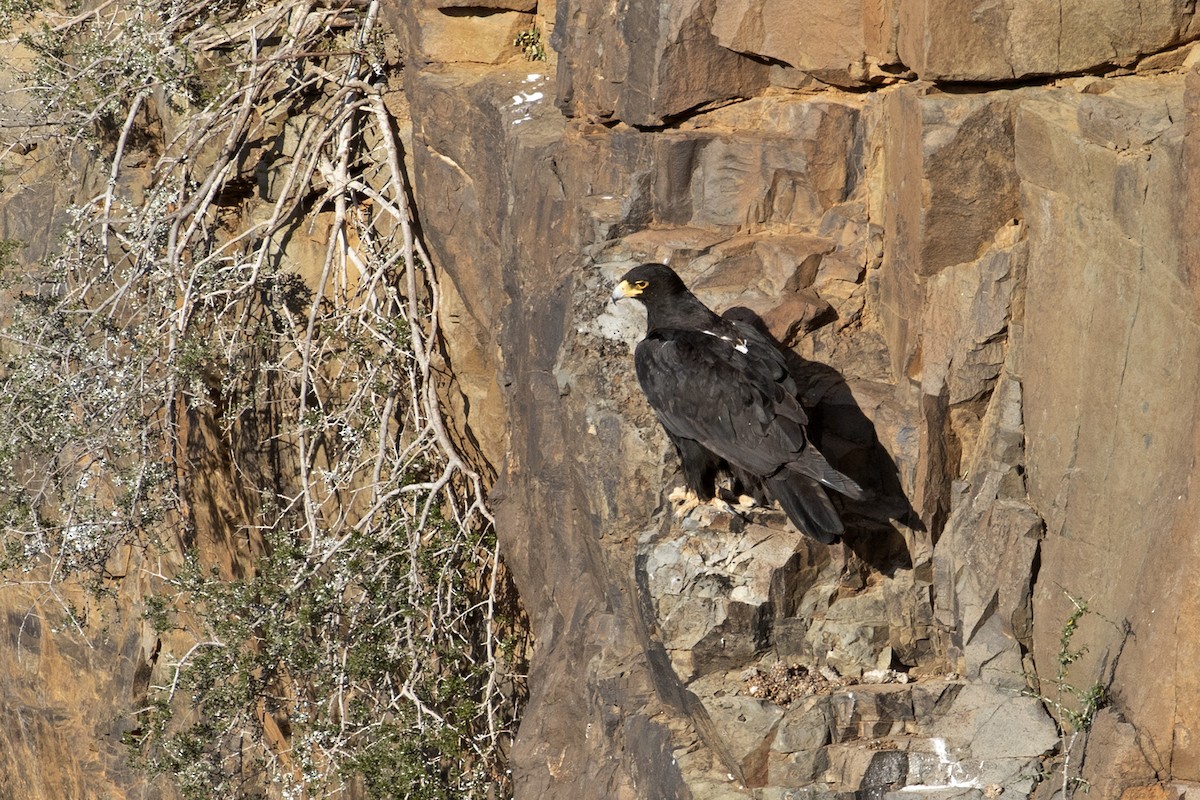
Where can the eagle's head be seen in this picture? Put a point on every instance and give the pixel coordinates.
(650, 283)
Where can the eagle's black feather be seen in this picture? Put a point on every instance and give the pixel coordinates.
(723, 392)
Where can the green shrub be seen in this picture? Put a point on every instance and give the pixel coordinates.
(175, 393)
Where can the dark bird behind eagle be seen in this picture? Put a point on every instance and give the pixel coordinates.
(723, 392)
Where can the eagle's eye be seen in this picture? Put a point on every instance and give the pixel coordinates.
(640, 284)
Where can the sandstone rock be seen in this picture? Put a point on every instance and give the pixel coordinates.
(950, 187)
(747, 726)
(823, 39)
(785, 266)
(881, 29)
(711, 594)
(941, 792)
(782, 263)
(70, 700)
(1110, 427)
(852, 634)
(768, 182)
(862, 769)
(668, 245)
(931, 699)
(796, 769)
(1125, 765)
(962, 151)
(35, 210)
(989, 736)
(804, 727)
(787, 77)
(801, 793)
(871, 712)
(960, 42)
(647, 64)
(527, 6)
(997, 723)
(968, 310)
(967, 313)
(1155, 792)
(451, 33)
(984, 558)
(488, 109)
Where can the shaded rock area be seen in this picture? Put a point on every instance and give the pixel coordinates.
(984, 288)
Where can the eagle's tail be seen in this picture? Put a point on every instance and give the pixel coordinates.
(814, 465)
(806, 504)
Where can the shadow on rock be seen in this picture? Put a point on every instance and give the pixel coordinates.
(847, 438)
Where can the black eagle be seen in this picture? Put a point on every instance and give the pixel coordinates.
(723, 392)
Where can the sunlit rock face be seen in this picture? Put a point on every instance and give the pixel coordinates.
(984, 289)
(973, 231)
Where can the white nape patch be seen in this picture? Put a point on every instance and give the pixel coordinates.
(738, 344)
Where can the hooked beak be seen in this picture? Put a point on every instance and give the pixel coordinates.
(625, 289)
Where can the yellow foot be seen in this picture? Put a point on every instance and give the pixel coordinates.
(718, 504)
(684, 500)
(746, 503)
(694, 514)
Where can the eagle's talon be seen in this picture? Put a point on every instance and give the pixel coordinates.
(715, 514)
(746, 503)
(684, 501)
(721, 505)
(739, 502)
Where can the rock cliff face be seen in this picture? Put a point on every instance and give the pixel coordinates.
(971, 226)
